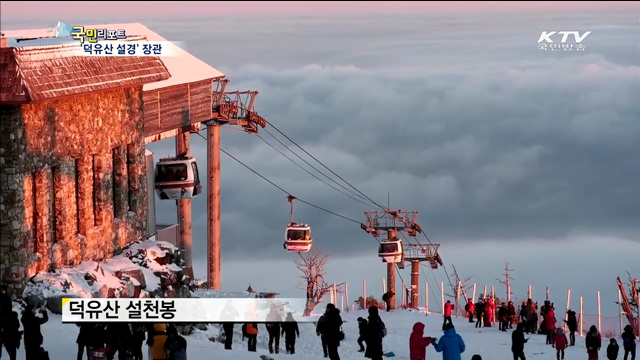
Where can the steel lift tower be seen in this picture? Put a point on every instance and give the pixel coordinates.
(391, 249)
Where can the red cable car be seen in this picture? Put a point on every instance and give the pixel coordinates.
(297, 237)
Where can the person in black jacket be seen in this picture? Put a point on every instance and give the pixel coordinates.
(386, 297)
(572, 324)
(593, 342)
(118, 339)
(227, 327)
(91, 335)
(517, 342)
(290, 331)
(175, 346)
(273, 328)
(612, 350)
(138, 332)
(362, 330)
(376, 330)
(629, 342)
(479, 309)
(11, 335)
(329, 328)
(32, 334)
(320, 329)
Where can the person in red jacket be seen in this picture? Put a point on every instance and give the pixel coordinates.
(469, 308)
(560, 342)
(550, 322)
(447, 312)
(418, 342)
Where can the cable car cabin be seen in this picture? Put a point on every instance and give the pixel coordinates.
(297, 238)
(391, 251)
(177, 178)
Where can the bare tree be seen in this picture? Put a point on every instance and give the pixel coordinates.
(507, 280)
(462, 286)
(312, 272)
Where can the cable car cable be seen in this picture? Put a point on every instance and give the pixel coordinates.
(313, 167)
(283, 190)
(310, 173)
(320, 162)
(288, 193)
(444, 267)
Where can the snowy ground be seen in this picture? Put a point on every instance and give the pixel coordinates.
(490, 343)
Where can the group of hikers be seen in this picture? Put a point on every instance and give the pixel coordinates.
(105, 340)
(527, 322)
(102, 341)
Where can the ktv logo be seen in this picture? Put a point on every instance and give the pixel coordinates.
(546, 36)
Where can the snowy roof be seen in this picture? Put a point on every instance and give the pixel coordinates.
(184, 68)
(44, 70)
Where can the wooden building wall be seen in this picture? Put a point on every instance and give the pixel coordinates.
(177, 106)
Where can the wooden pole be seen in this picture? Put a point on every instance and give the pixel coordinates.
(391, 284)
(426, 297)
(547, 298)
(404, 295)
(364, 294)
(442, 296)
(599, 315)
(581, 318)
(415, 283)
(566, 316)
(620, 310)
(184, 212)
(384, 285)
(346, 293)
(341, 303)
(495, 306)
(474, 292)
(529, 294)
(213, 206)
(484, 294)
(458, 298)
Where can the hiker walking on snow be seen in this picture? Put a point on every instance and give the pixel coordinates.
(386, 297)
(175, 346)
(447, 312)
(559, 341)
(469, 308)
(550, 322)
(479, 312)
(517, 342)
(91, 338)
(273, 328)
(328, 329)
(376, 330)
(138, 331)
(227, 327)
(362, 332)
(593, 341)
(612, 350)
(32, 334)
(290, 331)
(450, 344)
(572, 324)
(418, 342)
(157, 343)
(629, 342)
(10, 335)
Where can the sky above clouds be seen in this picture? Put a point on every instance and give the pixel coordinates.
(510, 153)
